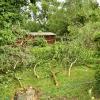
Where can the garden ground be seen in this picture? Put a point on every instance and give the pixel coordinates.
(76, 86)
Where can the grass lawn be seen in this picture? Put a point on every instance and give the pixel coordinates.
(76, 86)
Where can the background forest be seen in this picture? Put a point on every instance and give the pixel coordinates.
(75, 57)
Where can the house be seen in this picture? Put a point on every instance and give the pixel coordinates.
(49, 36)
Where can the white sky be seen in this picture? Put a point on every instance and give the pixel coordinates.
(61, 0)
(98, 1)
(64, 0)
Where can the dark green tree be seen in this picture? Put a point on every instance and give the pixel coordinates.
(10, 12)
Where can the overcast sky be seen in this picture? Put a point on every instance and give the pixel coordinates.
(98, 1)
(61, 0)
(64, 0)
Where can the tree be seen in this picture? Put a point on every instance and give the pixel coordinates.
(10, 12)
(10, 15)
(42, 10)
(57, 23)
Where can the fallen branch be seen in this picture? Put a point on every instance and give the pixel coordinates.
(15, 77)
(18, 80)
(35, 73)
(69, 70)
(16, 64)
(54, 78)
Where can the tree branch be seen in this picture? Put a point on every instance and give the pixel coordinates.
(69, 70)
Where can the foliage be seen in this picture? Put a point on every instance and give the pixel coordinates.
(10, 20)
(39, 41)
(76, 20)
(7, 37)
(88, 33)
(32, 26)
(42, 10)
(97, 83)
(97, 73)
(10, 12)
(13, 58)
(57, 24)
(97, 42)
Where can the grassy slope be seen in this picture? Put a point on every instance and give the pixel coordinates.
(75, 86)
(70, 87)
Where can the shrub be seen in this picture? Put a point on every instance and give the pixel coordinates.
(6, 36)
(13, 58)
(40, 41)
(9, 35)
(85, 34)
(32, 26)
(57, 24)
(75, 50)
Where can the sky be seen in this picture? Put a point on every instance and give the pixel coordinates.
(98, 2)
(64, 0)
(61, 0)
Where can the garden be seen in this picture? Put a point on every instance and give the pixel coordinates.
(69, 68)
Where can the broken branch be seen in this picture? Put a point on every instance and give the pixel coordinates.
(69, 71)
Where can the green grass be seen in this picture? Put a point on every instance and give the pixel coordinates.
(70, 87)
(76, 86)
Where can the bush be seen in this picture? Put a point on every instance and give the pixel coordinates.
(57, 23)
(85, 34)
(40, 41)
(9, 35)
(6, 36)
(75, 50)
(32, 26)
(13, 58)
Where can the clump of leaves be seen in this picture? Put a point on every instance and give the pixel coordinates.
(9, 36)
(6, 36)
(14, 58)
(40, 41)
(32, 26)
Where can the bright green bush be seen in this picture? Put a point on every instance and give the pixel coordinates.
(7, 37)
(10, 35)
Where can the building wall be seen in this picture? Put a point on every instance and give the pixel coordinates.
(49, 38)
